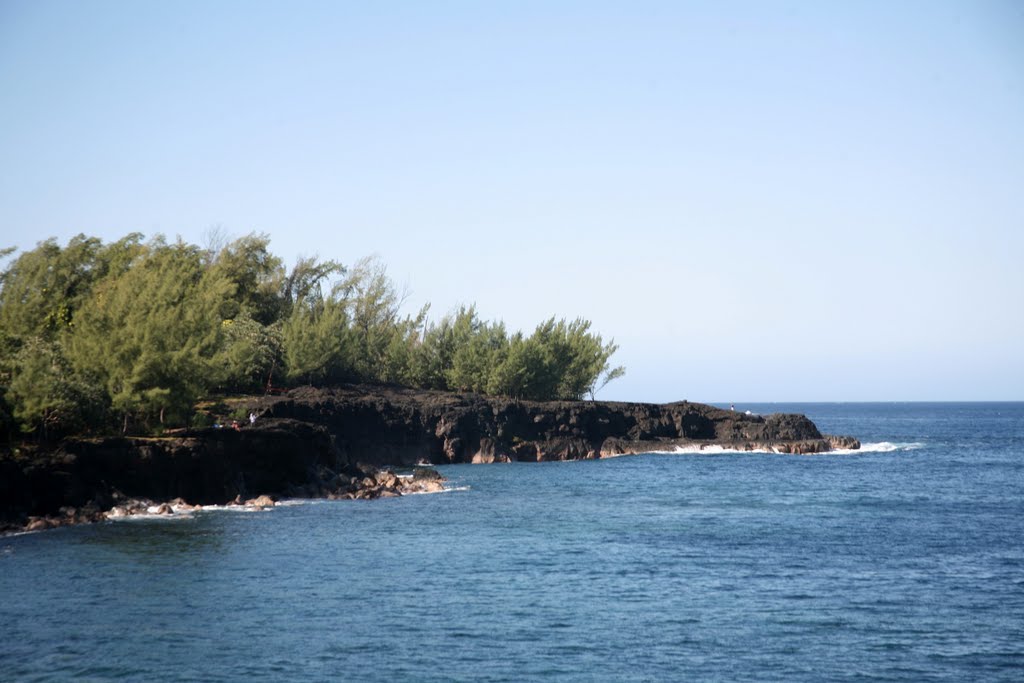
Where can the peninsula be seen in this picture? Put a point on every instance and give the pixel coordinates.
(345, 441)
(172, 346)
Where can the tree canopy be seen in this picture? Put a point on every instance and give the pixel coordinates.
(133, 332)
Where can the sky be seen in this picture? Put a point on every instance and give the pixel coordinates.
(759, 201)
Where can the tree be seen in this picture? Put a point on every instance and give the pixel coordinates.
(373, 306)
(607, 375)
(152, 333)
(146, 328)
(42, 288)
(522, 373)
(46, 395)
(313, 342)
(257, 275)
(588, 361)
(478, 348)
(250, 354)
(305, 281)
(559, 360)
(398, 364)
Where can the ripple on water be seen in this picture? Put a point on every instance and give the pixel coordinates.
(899, 565)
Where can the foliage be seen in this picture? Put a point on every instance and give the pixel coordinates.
(250, 353)
(378, 343)
(41, 289)
(257, 275)
(201, 419)
(313, 340)
(151, 334)
(304, 284)
(47, 396)
(140, 330)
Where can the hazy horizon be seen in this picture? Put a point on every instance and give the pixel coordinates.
(760, 202)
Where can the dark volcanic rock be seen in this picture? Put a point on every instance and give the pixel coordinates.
(330, 442)
(384, 425)
(82, 478)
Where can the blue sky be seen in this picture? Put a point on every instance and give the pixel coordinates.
(763, 201)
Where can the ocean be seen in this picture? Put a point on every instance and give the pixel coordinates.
(901, 562)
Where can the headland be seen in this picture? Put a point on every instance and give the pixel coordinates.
(345, 442)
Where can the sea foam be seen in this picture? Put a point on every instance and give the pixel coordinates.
(712, 450)
(879, 447)
(882, 447)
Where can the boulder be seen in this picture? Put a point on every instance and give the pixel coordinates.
(842, 442)
(386, 479)
(38, 524)
(262, 502)
(423, 480)
(423, 474)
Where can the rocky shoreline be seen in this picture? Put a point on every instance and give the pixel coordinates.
(91, 480)
(396, 426)
(344, 442)
(372, 484)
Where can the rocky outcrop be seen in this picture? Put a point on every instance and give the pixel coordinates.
(89, 480)
(333, 443)
(400, 427)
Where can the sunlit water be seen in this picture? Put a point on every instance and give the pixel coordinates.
(904, 562)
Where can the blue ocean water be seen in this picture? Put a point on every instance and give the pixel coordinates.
(904, 562)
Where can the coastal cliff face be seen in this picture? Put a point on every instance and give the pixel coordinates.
(332, 442)
(81, 479)
(392, 426)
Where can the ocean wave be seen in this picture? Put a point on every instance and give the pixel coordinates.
(882, 447)
(711, 450)
(693, 450)
(150, 516)
(446, 489)
(875, 447)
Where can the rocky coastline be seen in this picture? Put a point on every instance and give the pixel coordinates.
(397, 426)
(346, 441)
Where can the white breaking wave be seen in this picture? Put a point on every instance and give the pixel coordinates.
(150, 516)
(882, 447)
(711, 450)
(233, 508)
(690, 450)
(879, 447)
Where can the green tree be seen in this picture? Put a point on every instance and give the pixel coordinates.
(521, 373)
(258, 277)
(588, 360)
(373, 306)
(305, 282)
(152, 333)
(398, 364)
(251, 353)
(41, 289)
(478, 348)
(559, 360)
(573, 358)
(46, 395)
(313, 342)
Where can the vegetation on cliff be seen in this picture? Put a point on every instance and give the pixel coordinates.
(131, 333)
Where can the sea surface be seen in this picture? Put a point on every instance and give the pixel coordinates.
(902, 562)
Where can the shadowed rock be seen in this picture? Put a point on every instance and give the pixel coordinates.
(395, 426)
(339, 442)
